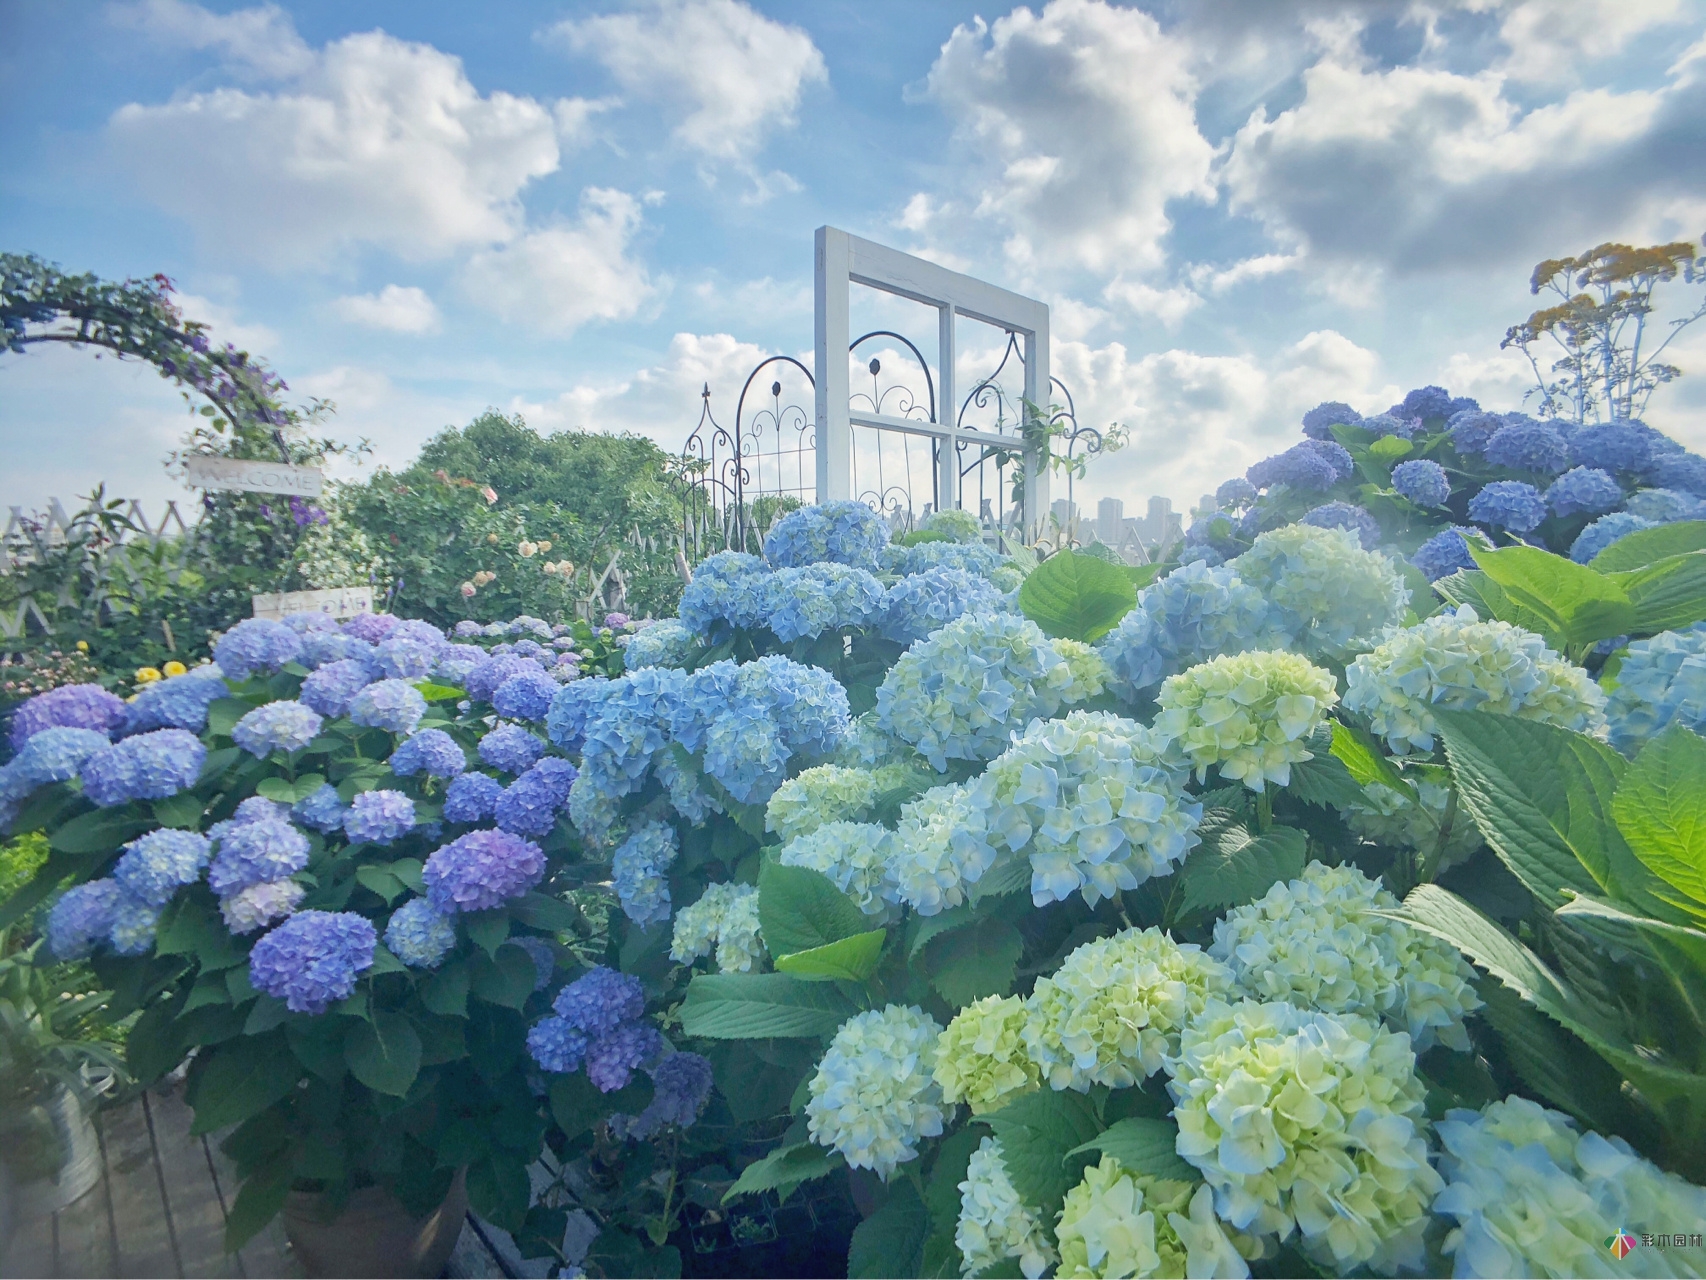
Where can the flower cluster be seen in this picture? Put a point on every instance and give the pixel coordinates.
(994, 1224)
(1583, 490)
(1663, 506)
(1422, 481)
(254, 646)
(71, 706)
(805, 602)
(873, 1096)
(662, 644)
(923, 602)
(1508, 504)
(395, 705)
(1347, 516)
(969, 557)
(331, 687)
(380, 817)
(638, 869)
(1445, 552)
(150, 766)
(751, 721)
(278, 726)
(830, 793)
(1603, 532)
(1319, 422)
(257, 846)
(1661, 679)
(1455, 661)
(854, 855)
(1323, 590)
(847, 533)
(729, 587)
(1193, 614)
(1526, 445)
(1118, 1223)
(419, 934)
(82, 917)
(526, 695)
(1250, 714)
(313, 959)
(596, 1023)
(724, 919)
(177, 702)
(981, 1058)
(935, 854)
(1311, 465)
(155, 866)
(432, 752)
(681, 1086)
(482, 870)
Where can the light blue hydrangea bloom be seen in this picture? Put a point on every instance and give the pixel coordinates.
(320, 649)
(874, 1096)
(510, 748)
(1193, 614)
(686, 794)
(854, 855)
(807, 601)
(256, 645)
(1603, 532)
(1661, 679)
(248, 853)
(51, 755)
(155, 866)
(82, 917)
(388, 704)
(150, 766)
(379, 817)
(1682, 471)
(922, 602)
(177, 702)
(471, 797)
(323, 810)
(638, 870)
(432, 752)
(667, 643)
(278, 726)
(973, 557)
(1347, 516)
(726, 588)
(259, 905)
(1664, 506)
(936, 854)
(330, 689)
(844, 532)
(404, 657)
(1331, 596)
(419, 934)
(749, 722)
(1585, 490)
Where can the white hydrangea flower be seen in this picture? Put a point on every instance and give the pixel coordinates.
(1308, 1122)
(1250, 713)
(994, 1223)
(855, 855)
(1389, 817)
(1531, 1196)
(873, 1096)
(1333, 597)
(981, 1058)
(832, 793)
(1112, 1013)
(935, 852)
(1457, 662)
(1088, 798)
(725, 918)
(1119, 1223)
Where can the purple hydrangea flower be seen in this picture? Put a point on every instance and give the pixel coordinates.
(1349, 516)
(1603, 532)
(330, 689)
(418, 631)
(1235, 494)
(253, 852)
(313, 959)
(1471, 429)
(177, 702)
(1313, 465)
(256, 645)
(321, 648)
(323, 810)
(486, 675)
(155, 866)
(1508, 504)
(600, 1000)
(52, 755)
(278, 726)
(1422, 481)
(82, 917)
(525, 696)
(526, 648)
(389, 704)
(400, 657)
(544, 959)
(1445, 552)
(682, 1086)
(1681, 471)
(371, 627)
(259, 905)
(471, 797)
(431, 751)
(379, 816)
(150, 766)
(1426, 402)
(612, 1059)
(511, 748)
(556, 775)
(1526, 445)
(311, 622)
(71, 706)
(528, 806)
(556, 1046)
(482, 870)
(455, 661)
(420, 935)
(1587, 490)
(467, 628)
(1319, 422)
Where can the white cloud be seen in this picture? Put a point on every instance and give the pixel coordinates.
(1168, 305)
(397, 308)
(373, 140)
(1549, 41)
(223, 325)
(264, 37)
(1219, 279)
(1080, 127)
(560, 277)
(725, 71)
(396, 419)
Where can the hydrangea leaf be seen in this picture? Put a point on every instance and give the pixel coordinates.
(1660, 807)
(784, 1169)
(258, 1202)
(242, 1078)
(853, 958)
(279, 790)
(800, 909)
(1234, 867)
(380, 880)
(1366, 761)
(1555, 1063)
(1582, 605)
(182, 811)
(383, 1052)
(1646, 546)
(1073, 596)
(1037, 1133)
(1324, 781)
(440, 692)
(891, 1241)
(487, 929)
(1668, 594)
(756, 1006)
(1143, 1145)
(542, 911)
(968, 964)
(924, 928)
(506, 978)
(446, 992)
(98, 832)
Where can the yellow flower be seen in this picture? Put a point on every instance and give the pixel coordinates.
(545, 544)
(492, 538)
(174, 668)
(526, 549)
(147, 675)
(82, 646)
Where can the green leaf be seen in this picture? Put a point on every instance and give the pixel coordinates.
(1678, 948)
(1660, 807)
(268, 1012)
(99, 832)
(1554, 1063)
(224, 713)
(1367, 763)
(258, 1202)
(1324, 781)
(799, 909)
(153, 1046)
(1238, 867)
(1142, 575)
(446, 992)
(383, 1052)
(318, 1044)
(182, 811)
(543, 912)
(1390, 448)
(440, 692)
(785, 1169)
(1668, 595)
(1073, 596)
(277, 790)
(242, 1079)
(853, 959)
(487, 929)
(381, 881)
(1635, 550)
(503, 979)
(891, 1241)
(921, 929)
(968, 964)
(1142, 1145)
(1038, 1133)
(754, 1006)
(1584, 606)
(576, 1104)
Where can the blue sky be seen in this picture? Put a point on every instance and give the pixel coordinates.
(583, 212)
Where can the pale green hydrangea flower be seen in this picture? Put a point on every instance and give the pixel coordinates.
(1118, 1223)
(1308, 1122)
(855, 855)
(1090, 670)
(1007, 576)
(1456, 662)
(1112, 1013)
(873, 1097)
(1334, 598)
(1317, 943)
(725, 918)
(833, 793)
(961, 526)
(1090, 800)
(1249, 713)
(935, 854)
(1531, 1196)
(1391, 818)
(981, 1058)
(869, 745)
(995, 1224)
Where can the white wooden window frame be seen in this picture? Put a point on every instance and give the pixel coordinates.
(844, 260)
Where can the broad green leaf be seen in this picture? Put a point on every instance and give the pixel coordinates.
(1142, 1145)
(1390, 448)
(224, 713)
(1038, 1133)
(1648, 546)
(1660, 807)
(799, 909)
(1367, 763)
(853, 958)
(542, 911)
(505, 978)
(968, 964)
(1668, 595)
(923, 928)
(891, 1241)
(258, 1201)
(318, 1044)
(1239, 868)
(1073, 596)
(755, 1006)
(785, 1169)
(1677, 949)
(183, 811)
(242, 1079)
(1142, 575)
(153, 1047)
(440, 692)
(1584, 606)
(384, 1053)
(1464, 588)
(1324, 781)
(99, 832)
(446, 992)
(278, 790)
(576, 1103)
(1008, 875)
(487, 929)
(1555, 1063)
(385, 962)
(382, 882)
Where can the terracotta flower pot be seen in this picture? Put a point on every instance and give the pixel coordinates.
(374, 1235)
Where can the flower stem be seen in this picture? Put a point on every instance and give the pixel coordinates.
(1264, 810)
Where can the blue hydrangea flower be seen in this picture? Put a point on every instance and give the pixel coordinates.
(155, 866)
(612, 1060)
(249, 853)
(485, 676)
(1508, 504)
(750, 721)
(323, 810)
(431, 751)
(1471, 429)
(471, 797)
(331, 688)
(389, 704)
(622, 726)
(256, 645)
(420, 935)
(1193, 614)
(556, 775)
(511, 748)
(1663, 506)
(134, 925)
(371, 627)
(727, 587)
(177, 702)
(556, 1046)
(1422, 481)
(1661, 679)
(278, 726)
(1681, 471)
(51, 755)
(1312, 465)
(467, 628)
(1613, 446)
(1427, 402)
(638, 869)
(1386, 424)
(418, 631)
(1349, 517)
(1445, 552)
(529, 805)
(808, 601)
(1324, 592)
(1319, 422)
(847, 533)
(401, 657)
(455, 661)
(311, 621)
(150, 766)
(82, 916)
(313, 959)
(482, 870)
(321, 648)
(1528, 445)
(379, 816)
(1603, 532)
(923, 602)
(571, 707)
(1585, 490)
(599, 1001)
(71, 706)
(544, 959)
(973, 557)
(525, 696)
(681, 1086)
(254, 809)
(1235, 494)
(259, 905)
(666, 643)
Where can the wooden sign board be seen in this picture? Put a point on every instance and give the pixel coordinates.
(253, 476)
(336, 602)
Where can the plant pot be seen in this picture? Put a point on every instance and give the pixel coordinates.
(374, 1235)
(79, 1158)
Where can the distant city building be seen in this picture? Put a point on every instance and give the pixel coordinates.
(1110, 521)
(1065, 512)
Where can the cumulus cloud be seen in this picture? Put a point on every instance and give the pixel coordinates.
(397, 308)
(224, 326)
(262, 38)
(724, 71)
(1549, 41)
